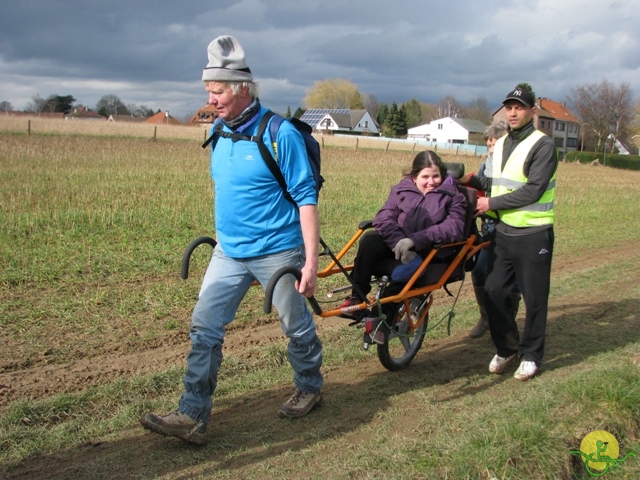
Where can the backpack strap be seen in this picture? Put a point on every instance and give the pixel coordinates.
(274, 126)
(213, 138)
(266, 153)
(219, 132)
(264, 150)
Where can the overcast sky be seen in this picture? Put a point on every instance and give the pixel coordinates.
(153, 52)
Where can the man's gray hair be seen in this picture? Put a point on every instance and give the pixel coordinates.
(237, 86)
(495, 130)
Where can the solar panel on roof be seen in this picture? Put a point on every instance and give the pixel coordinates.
(314, 115)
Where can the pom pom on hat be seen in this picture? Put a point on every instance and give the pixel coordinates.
(226, 62)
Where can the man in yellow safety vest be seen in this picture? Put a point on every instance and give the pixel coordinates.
(522, 185)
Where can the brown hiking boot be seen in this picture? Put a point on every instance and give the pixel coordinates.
(175, 424)
(299, 404)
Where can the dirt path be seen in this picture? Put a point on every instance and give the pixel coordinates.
(40, 381)
(45, 380)
(345, 385)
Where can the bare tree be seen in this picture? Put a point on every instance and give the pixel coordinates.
(111, 105)
(429, 112)
(36, 105)
(620, 109)
(478, 109)
(5, 106)
(371, 104)
(140, 110)
(604, 109)
(635, 123)
(450, 107)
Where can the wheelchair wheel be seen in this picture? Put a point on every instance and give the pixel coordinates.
(403, 343)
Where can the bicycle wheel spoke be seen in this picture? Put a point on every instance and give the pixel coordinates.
(403, 345)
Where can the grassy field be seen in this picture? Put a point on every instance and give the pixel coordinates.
(94, 322)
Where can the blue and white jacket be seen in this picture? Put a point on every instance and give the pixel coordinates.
(252, 216)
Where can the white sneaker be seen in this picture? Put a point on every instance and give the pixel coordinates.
(498, 364)
(526, 370)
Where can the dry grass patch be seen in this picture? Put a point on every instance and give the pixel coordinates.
(94, 327)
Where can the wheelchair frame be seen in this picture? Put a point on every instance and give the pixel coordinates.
(407, 328)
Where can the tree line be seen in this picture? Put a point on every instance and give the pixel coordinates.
(107, 105)
(397, 118)
(605, 111)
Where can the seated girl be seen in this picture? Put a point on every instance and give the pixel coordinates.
(424, 209)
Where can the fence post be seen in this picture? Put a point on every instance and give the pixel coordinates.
(457, 149)
(29, 128)
(388, 143)
(155, 130)
(322, 142)
(357, 140)
(414, 147)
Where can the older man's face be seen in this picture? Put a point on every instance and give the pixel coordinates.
(228, 104)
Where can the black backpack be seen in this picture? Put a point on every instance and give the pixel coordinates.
(311, 145)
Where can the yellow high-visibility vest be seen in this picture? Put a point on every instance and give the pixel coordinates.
(512, 178)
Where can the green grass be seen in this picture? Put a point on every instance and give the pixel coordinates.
(92, 232)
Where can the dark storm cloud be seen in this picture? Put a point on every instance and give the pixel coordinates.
(153, 52)
(103, 40)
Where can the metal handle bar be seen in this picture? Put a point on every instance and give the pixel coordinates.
(268, 292)
(184, 271)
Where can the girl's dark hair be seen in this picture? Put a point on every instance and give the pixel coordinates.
(425, 159)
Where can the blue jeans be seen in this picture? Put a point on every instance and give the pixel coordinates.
(224, 286)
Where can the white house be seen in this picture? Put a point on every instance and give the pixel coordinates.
(343, 119)
(447, 130)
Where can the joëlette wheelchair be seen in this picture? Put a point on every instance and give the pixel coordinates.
(395, 317)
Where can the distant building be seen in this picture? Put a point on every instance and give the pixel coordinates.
(83, 113)
(163, 118)
(341, 120)
(127, 119)
(204, 115)
(449, 130)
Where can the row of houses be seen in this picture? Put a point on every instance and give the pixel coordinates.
(325, 119)
(552, 118)
(85, 113)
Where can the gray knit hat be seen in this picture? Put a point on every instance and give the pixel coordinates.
(226, 61)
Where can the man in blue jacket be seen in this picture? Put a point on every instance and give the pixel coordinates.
(258, 232)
